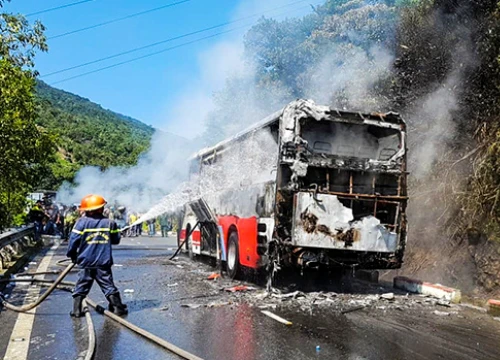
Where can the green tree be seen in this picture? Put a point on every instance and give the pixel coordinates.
(24, 148)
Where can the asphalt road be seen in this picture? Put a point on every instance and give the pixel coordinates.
(175, 301)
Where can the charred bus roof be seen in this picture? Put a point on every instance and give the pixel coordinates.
(389, 119)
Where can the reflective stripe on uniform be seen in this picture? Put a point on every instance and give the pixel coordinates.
(95, 230)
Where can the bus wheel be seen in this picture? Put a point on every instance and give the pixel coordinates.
(233, 258)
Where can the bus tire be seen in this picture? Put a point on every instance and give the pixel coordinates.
(233, 257)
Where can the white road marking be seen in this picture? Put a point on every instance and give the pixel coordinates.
(21, 334)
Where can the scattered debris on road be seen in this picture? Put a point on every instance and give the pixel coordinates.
(213, 276)
(387, 296)
(239, 288)
(191, 306)
(441, 313)
(276, 317)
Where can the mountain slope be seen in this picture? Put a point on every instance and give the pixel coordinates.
(87, 134)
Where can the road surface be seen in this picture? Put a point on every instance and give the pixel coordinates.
(175, 301)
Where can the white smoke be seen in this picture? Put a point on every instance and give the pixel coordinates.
(357, 58)
(343, 77)
(346, 76)
(247, 163)
(157, 172)
(433, 119)
(224, 60)
(163, 168)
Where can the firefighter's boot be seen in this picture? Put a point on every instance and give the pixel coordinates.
(77, 306)
(116, 306)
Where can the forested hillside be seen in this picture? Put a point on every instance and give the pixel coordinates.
(87, 134)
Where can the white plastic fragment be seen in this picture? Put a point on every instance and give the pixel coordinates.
(276, 317)
(387, 296)
(191, 306)
(441, 313)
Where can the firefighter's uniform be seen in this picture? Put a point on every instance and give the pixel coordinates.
(90, 248)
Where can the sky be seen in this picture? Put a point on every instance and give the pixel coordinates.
(162, 90)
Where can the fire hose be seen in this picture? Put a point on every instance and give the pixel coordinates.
(59, 283)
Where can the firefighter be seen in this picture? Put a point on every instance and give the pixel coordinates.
(90, 247)
(70, 218)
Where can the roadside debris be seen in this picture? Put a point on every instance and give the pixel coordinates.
(443, 303)
(441, 313)
(218, 304)
(276, 317)
(238, 288)
(172, 285)
(387, 296)
(191, 306)
(213, 276)
(356, 308)
(209, 305)
(494, 307)
(292, 295)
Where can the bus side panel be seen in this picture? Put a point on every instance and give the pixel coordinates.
(247, 235)
(247, 232)
(196, 241)
(226, 222)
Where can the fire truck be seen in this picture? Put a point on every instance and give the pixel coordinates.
(308, 187)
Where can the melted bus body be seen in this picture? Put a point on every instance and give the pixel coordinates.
(325, 188)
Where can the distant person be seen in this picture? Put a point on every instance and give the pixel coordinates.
(164, 225)
(54, 219)
(138, 227)
(70, 219)
(152, 227)
(119, 217)
(60, 226)
(133, 229)
(36, 215)
(90, 247)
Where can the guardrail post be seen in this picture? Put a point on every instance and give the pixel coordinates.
(13, 243)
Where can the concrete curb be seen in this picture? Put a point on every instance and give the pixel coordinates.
(426, 288)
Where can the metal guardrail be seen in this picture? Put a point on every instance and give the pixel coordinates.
(12, 236)
(13, 242)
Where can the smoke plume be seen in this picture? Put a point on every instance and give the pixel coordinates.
(158, 172)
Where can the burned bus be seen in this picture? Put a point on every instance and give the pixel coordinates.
(307, 187)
